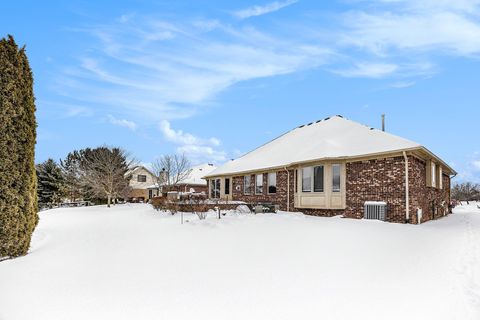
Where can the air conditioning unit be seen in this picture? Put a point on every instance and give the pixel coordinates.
(376, 210)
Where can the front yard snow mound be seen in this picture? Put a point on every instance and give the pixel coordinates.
(132, 262)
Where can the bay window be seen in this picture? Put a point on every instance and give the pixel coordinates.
(318, 179)
(307, 179)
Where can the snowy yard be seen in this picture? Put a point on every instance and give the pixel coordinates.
(131, 262)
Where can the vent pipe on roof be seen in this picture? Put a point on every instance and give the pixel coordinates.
(383, 122)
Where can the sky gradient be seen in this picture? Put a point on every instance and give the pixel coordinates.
(215, 79)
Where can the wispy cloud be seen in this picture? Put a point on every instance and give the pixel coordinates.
(122, 123)
(196, 148)
(368, 70)
(78, 111)
(450, 27)
(476, 164)
(259, 10)
(402, 84)
(171, 77)
(180, 137)
(142, 66)
(469, 170)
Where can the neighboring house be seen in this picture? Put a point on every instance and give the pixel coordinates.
(337, 166)
(194, 182)
(141, 179)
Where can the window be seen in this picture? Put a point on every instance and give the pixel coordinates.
(227, 185)
(307, 179)
(336, 177)
(440, 177)
(215, 188)
(259, 184)
(272, 182)
(142, 178)
(246, 185)
(212, 188)
(318, 179)
(434, 175)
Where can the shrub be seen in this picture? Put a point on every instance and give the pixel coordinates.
(18, 182)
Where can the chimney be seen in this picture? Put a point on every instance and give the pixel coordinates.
(383, 122)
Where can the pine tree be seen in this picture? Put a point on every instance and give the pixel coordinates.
(18, 198)
(51, 183)
(104, 172)
(71, 173)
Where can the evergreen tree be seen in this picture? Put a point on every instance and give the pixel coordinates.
(104, 172)
(71, 173)
(51, 183)
(18, 198)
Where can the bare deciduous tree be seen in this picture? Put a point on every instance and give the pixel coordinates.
(105, 172)
(466, 191)
(170, 170)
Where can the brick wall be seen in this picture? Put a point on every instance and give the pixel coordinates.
(433, 201)
(137, 193)
(376, 180)
(279, 198)
(371, 180)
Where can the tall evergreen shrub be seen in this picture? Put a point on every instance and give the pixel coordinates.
(18, 198)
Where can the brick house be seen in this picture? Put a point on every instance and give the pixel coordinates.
(141, 179)
(335, 166)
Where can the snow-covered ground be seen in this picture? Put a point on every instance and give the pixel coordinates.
(131, 262)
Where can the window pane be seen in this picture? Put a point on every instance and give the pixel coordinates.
(142, 178)
(307, 179)
(272, 182)
(336, 177)
(259, 184)
(318, 179)
(217, 188)
(227, 185)
(212, 188)
(246, 184)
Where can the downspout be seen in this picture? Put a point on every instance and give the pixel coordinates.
(407, 189)
(288, 189)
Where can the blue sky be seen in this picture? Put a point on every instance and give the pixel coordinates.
(214, 79)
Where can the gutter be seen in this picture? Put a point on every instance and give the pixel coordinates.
(407, 189)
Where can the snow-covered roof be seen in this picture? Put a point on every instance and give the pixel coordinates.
(334, 137)
(136, 168)
(197, 173)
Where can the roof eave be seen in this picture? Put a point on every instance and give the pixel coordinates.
(392, 152)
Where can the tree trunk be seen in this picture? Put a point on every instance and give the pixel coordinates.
(109, 199)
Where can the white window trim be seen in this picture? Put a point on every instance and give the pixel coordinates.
(434, 174)
(440, 177)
